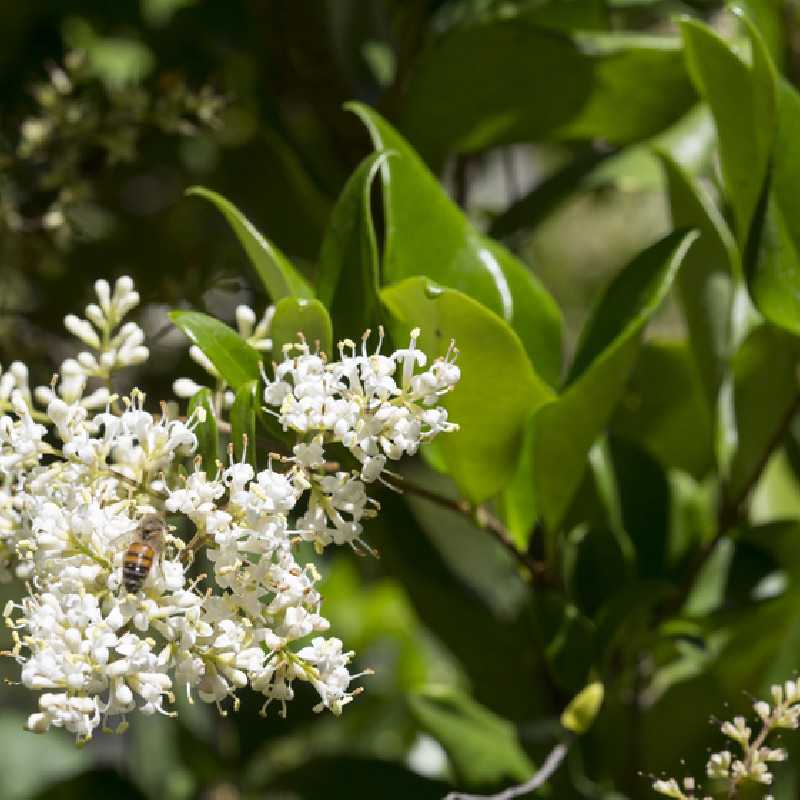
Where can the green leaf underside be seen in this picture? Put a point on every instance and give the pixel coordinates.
(277, 274)
(565, 430)
(426, 233)
(233, 358)
(295, 316)
(498, 388)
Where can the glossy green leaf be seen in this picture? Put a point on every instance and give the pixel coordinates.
(663, 409)
(206, 431)
(425, 233)
(504, 81)
(765, 391)
(278, 275)
(565, 430)
(773, 268)
(233, 358)
(498, 388)
(349, 268)
(483, 748)
(295, 316)
(243, 421)
(742, 100)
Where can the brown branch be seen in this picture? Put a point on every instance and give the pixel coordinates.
(551, 764)
(484, 520)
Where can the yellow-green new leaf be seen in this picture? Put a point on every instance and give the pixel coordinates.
(579, 715)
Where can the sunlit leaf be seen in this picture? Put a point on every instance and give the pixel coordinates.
(233, 358)
(426, 234)
(498, 388)
(742, 100)
(296, 317)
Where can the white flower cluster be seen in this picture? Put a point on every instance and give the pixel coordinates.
(78, 478)
(359, 403)
(753, 763)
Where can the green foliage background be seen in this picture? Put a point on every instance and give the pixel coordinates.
(598, 200)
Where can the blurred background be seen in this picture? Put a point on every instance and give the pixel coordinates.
(108, 112)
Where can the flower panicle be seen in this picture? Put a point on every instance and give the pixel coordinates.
(96, 636)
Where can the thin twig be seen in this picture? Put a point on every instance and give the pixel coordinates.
(551, 764)
(485, 520)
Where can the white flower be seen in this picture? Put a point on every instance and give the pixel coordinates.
(77, 479)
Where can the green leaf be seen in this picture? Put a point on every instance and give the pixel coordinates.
(294, 316)
(206, 431)
(506, 81)
(517, 503)
(482, 747)
(765, 391)
(565, 430)
(233, 358)
(349, 269)
(773, 268)
(243, 421)
(664, 410)
(425, 233)
(579, 715)
(498, 388)
(279, 277)
(706, 281)
(742, 100)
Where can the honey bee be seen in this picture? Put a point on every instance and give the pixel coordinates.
(142, 552)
